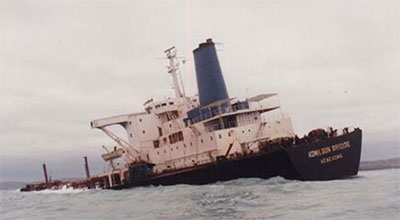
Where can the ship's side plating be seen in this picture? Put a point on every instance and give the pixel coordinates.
(327, 159)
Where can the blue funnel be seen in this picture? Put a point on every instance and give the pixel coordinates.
(210, 82)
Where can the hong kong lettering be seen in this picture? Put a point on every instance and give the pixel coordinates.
(331, 158)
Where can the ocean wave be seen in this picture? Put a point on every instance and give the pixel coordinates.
(374, 196)
(63, 190)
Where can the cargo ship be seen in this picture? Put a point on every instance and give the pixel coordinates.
(212, 137)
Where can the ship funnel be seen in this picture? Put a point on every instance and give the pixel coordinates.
(210, 82)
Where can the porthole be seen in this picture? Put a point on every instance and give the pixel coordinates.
(249, 130)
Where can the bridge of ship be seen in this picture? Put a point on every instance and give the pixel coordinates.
(222, 114)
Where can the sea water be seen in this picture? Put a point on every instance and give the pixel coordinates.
(370, 195)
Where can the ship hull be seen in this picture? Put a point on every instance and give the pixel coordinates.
(309, 162)
(327, 159)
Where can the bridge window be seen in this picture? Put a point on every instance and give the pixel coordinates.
(159, 131)
(156, 143)
(172, 115)
(175, 137)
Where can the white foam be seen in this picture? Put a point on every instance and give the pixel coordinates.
(64, 190)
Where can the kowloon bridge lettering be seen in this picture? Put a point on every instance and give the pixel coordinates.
(326, 150)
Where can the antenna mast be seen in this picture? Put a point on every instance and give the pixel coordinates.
(173, 69)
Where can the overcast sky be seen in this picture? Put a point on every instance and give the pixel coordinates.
(65, 63)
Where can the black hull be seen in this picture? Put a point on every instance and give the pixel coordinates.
(292, 162)
(327, 159)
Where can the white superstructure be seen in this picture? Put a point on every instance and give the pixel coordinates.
(164, 135)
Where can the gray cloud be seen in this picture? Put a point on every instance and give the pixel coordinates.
(63, 64)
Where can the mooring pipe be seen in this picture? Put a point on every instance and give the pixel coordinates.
(87, 167)
(45, 174)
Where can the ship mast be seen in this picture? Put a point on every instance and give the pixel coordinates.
(173, 69)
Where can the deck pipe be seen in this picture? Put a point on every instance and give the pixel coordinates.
(45, 174)
(87, 167)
